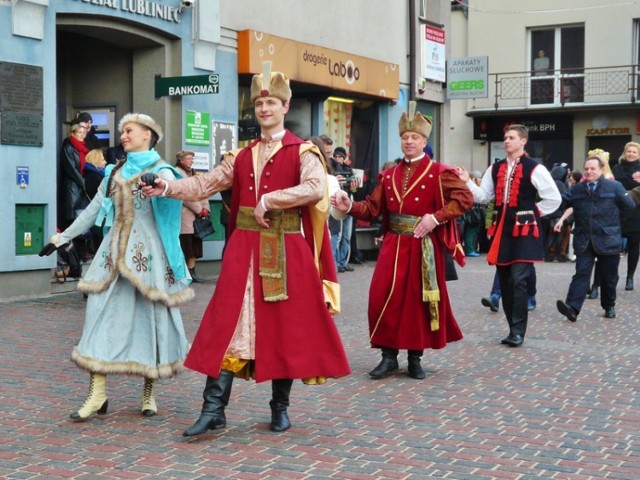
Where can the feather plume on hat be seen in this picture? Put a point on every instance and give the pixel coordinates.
(277, 86)
(414, 122)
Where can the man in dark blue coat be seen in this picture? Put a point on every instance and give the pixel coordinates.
(597, 204)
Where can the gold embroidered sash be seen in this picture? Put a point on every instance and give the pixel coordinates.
(401, 224)
(272, 261)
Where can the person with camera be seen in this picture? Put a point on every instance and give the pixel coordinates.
(349, 184)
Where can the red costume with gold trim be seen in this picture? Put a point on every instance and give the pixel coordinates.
(294, 337)
(399, 318)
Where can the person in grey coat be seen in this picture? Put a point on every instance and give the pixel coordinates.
(597, 204)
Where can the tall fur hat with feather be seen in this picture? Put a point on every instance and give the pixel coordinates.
(277, 84)
(414, 122)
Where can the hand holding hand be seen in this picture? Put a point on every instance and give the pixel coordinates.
(152, 185)
(463, 174)
(47, 250)
(340, 200)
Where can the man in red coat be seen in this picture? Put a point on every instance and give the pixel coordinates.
(418, 200)
(269, 317)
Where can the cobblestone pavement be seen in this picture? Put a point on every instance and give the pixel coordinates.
(563, 406)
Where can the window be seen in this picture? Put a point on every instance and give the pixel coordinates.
(557, 65)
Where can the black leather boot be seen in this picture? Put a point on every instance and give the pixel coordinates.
(414, 368)
(194, 277)
(387, 365)
(216, 398)
(279, 402)
(629, 284)
(593, 293)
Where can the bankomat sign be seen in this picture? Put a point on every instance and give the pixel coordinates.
(190, 85)
(468, 77)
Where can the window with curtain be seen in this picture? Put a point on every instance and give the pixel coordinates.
(557, 64)
(337, 122)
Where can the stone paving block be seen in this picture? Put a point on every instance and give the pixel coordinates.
(565, 405)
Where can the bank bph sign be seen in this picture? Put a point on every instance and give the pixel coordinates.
(468, 77)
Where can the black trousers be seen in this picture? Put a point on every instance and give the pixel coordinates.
(608, 276)
(513, 284)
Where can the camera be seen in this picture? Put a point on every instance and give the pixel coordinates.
(347, 177)
(184, 4)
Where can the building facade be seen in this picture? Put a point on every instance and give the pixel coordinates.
(353, 68)
(568, 72)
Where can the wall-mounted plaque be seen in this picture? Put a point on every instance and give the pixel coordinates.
(21, 88)
(21, 129)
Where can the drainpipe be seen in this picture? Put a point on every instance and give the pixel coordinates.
(412, 49)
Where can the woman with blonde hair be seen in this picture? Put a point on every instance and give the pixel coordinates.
(72, 160)
(93, 174)
(137, 279)
(627, 172)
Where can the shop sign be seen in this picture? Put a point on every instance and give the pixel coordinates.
(468, 77)
(145, 8)
(434, 54)
(594, 132)
(197, 128)
(316, 65)
(540, 128)
(191, 85)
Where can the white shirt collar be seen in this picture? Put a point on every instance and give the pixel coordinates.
(275, 137)
(406, 160)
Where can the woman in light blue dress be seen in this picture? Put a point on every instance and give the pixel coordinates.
(137, 278)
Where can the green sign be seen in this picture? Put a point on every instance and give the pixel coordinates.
(198, 130)
(192, 85)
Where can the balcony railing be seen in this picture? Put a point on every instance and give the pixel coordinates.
(560, 88)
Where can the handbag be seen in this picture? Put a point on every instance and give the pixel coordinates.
(202, 227)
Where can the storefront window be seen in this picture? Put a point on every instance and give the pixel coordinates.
(337, 121)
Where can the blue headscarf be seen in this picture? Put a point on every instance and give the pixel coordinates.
(167, 211)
